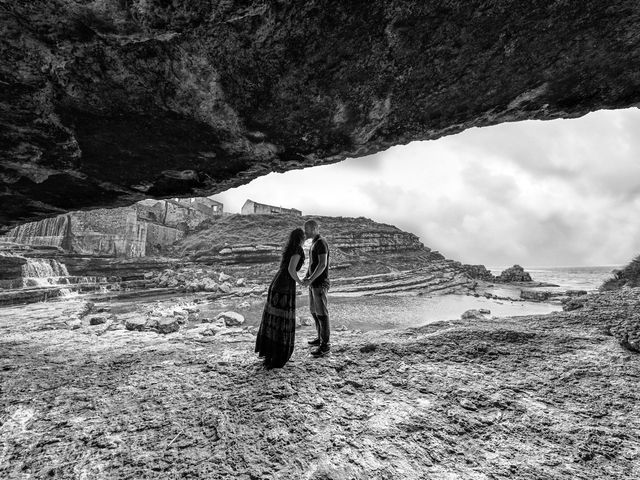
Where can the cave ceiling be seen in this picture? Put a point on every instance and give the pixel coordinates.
(106, 102)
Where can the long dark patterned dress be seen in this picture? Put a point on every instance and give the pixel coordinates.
(276, 334)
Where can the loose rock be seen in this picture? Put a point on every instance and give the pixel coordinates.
(231, 319)
(98, 320)
(167, 325)
(136, 324)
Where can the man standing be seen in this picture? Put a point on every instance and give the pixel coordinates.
(317, 279)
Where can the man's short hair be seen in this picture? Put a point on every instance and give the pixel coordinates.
(311, 223)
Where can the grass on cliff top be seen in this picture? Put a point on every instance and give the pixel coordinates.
(628, 276)
(239, 229)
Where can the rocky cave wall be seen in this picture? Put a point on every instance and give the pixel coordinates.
(106, 102)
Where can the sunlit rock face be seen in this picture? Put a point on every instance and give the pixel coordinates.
(110, 101)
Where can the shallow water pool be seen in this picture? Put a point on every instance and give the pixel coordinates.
(386, 311)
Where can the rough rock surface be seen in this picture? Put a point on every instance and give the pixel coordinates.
(105, 103)
(627, 331)
(524, 398)
(620, 313)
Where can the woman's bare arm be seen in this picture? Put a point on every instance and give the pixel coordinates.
(293, 263)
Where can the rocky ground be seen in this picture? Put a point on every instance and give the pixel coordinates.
(537, 397)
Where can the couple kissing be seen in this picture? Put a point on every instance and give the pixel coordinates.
(276, 335)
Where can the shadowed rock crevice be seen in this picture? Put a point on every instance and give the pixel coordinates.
(106, 103)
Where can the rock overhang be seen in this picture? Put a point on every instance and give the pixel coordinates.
(108, 102)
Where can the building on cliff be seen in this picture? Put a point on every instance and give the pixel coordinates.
(250, 207)
(143, 228)
(205, 205)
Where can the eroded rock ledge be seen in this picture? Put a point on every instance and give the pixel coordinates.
(104, 103)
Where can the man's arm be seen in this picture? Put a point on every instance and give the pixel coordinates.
(322, 264)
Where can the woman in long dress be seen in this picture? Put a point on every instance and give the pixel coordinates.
(276, 334)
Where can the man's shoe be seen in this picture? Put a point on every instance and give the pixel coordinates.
(315, 341)
(320, 351)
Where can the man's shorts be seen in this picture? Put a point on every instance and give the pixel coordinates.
(318, 300)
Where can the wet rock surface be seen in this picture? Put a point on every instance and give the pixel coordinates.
(95, 92)
(550, 396)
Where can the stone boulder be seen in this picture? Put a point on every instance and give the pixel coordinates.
(231, 319)
(475, 314)
(514, 274)
(74, 324)
(209, 285)
(167, 325)
(136, 324)
(537, 296)
(98, 319)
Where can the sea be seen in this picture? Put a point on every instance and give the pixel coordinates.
(574, 278)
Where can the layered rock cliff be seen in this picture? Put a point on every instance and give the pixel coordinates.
(142, 229)
(245, 236)
(108, 102)
(366, 256)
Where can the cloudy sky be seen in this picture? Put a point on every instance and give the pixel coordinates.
(536, 193)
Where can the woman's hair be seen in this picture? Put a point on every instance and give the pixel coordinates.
(295, 237)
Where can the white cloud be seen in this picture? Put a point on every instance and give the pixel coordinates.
(563, 192)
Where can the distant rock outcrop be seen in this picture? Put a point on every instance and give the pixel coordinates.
(514, 274)
(511, 274)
